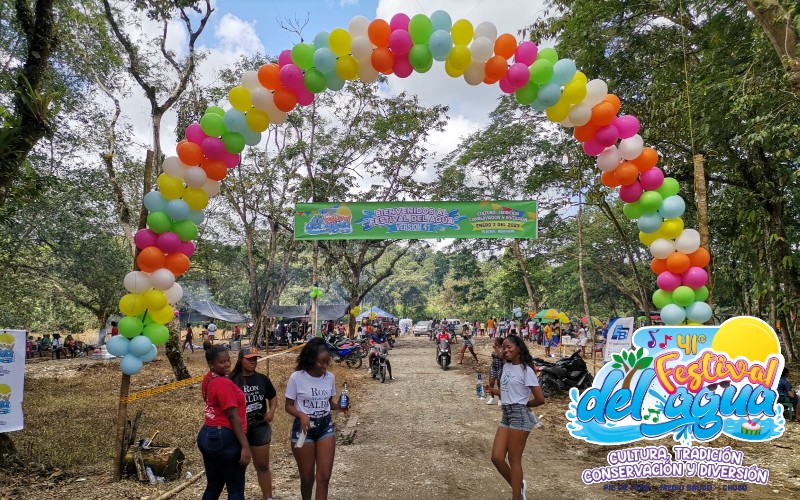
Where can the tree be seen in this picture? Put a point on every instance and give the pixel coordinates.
(781, 23)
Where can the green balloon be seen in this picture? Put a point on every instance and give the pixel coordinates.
(420, 28)
(303, 55)
(158, 334)
(420, 56)
(670, 187)
(159, 222)
(213, 125)
(233, 141)
(541, 71)
(527, 94)
(683, 296)
(314, 80)
(633, 210)
(426, 68)
(548, 54)
(129, 326)
(650, 201)
(662, 298)
(185, 229)
(215, 110)
(701, 294)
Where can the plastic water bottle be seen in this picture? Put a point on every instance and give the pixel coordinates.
(479, 387)
(150, 476)
(344, 398)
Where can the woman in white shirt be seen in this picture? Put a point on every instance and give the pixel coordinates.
(518, 383)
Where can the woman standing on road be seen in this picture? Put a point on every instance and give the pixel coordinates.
(261, 402)
(310, 397)
(496, 368)
(517, 383)
(467, 344)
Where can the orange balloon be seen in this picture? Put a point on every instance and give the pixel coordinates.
(215, 169)
(489, 81)
(585, 133)
(496, 68)
(626, 173)
(603, 114)
(678, 262)
(609, 179)
(177, 263)
(189, 153)
(378, 32)
(646, 160)
(284, 99)
(614, 101)
(505, 45)
(658, 266)
(382, 59)
(700, 257)
(269, 76)
(150, 259)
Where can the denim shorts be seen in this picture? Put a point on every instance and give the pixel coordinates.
(517, 417)
(321, 428)
(259, 433)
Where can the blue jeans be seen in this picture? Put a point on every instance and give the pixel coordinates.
(221, 452)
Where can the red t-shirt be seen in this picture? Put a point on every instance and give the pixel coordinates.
(114, 331)
(443, 336)
(220, 393)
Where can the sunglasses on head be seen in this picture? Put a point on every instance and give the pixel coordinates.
(724, 384)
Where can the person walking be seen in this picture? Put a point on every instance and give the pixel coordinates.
(188, 338)
(261, 400)
(223, 438)
(548, 339)
(212, 331)
(517, 384)
(310, 397)
(467, 344)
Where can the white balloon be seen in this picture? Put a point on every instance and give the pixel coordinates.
(475, 73)
(580, 114)
(609, 159)
(162, 279)
(250, 80)
(596, 91)
(486, 30)
(137, 282)
(211, 187)
(195, 177)
(366, 73)
(361, 48)
(566, 123)
(174, 294)
(688, 241)
(358, 26)
(662, 248)
(631, 147)
(262, 98)
(276, 116)
(173, 167)
(482, 49)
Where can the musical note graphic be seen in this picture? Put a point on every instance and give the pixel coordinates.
(664, 344)
(652, 343)
(652, 413)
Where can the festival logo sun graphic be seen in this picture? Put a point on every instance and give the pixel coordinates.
(6, 348)
(693, 383)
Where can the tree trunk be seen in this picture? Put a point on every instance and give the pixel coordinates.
(701, 203)
(781, 29)
(523, 266)
(165, 461)
(173, 350)
(581, 277)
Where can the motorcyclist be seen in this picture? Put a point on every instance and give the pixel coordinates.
(376, 341)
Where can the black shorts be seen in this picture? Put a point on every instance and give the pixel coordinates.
(259, 434)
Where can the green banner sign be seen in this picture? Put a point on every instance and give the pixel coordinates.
(415, 220)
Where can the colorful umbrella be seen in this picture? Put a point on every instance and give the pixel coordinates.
(546, 315)
(564, 318)
(596, 321)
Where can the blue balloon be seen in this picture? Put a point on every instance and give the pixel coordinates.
(235, 121)
(441, 21)
(325, 60)
(177, 210)
(154, 201)
(196, 216)
(699, 312)
(251, 138)
(321, 40)
(117, 345)
(150, 356)
(130, 364)
(140, 346)
(672, 207)
(335, 82)
(549, 94)
(649, 223)
(440, 44)
(673, 314)
(538, 105)
(563, 71)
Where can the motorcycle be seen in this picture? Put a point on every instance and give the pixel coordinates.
(443, 354)
(343, 342)
(347, 354)
(378, 367)
(564, 374)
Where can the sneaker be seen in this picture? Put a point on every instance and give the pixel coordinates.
(490, 401)
(524, 489)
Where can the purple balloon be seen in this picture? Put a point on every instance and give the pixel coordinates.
(526, 53)
(291, 76)
(230, 159)
(399, 22)
(593, 148)
(285, 58)
(695, 277)
(627, 125)
(304, 97)
(518, 75)
(400, 42)
(506, 86)
(631, 193)
(668, 281)
(652, 178)
(169, 242)
(145, 238)
(186, 248)
(606, 136)
(213, 148)
(195, 134)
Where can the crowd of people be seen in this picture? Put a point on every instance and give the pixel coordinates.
(58, 348)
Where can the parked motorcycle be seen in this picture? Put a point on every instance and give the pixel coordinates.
(443, 354)
(347, 354)
(564, 374)
(378, 367)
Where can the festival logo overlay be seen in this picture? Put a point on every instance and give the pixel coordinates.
(411, 219)
(333, 220)
(500, 219)
(6, 348)
(5, 399)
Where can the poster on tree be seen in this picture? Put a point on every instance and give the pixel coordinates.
(12, 379)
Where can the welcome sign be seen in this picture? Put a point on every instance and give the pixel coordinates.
(415, 220)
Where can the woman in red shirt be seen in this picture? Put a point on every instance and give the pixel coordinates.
(223, 439)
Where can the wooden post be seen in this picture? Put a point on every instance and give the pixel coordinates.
(122, 420)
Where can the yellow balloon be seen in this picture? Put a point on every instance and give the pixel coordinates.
(132, 304)
(453, 72)
(257, 120)
(647, 239)
(339, 41)
(462, 32)
(671, 228)
(579, 77)
(347, 67)
(163, 315)
(460, 57)
(574, 92)
(558, 112)
(196, 198)
(240, 99)
(170, 187)
(372, 315)
(154, 299)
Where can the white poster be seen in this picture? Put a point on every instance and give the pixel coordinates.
(12, 378)
(620, 334)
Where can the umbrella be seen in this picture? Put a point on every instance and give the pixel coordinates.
(546, 315)
(596, 321)
(563, 318)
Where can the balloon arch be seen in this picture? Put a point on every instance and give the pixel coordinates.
(537, 78)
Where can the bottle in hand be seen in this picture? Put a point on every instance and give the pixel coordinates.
(479, 387)
(344, 398)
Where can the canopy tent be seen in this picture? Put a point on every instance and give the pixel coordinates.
(210, 309)
(379, 313)
(287, 311)
(331, 311)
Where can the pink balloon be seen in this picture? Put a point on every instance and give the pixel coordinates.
(285, 58)
(213, 148)
(631, 193)
(145, 238)
(668, 281)
(652, 178)
(230, 160)
(506, 86)
(291, 76)
(526, 53)
(695, 277)
(627, 125)
(186, 248)
(169, 242)
(195, 134)
(518, 75)
(593, 148)
(606, 136)
(400, 42)
(399, 22)
(304, 97)
(402, 66)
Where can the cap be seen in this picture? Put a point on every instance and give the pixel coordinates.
(250, 352)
